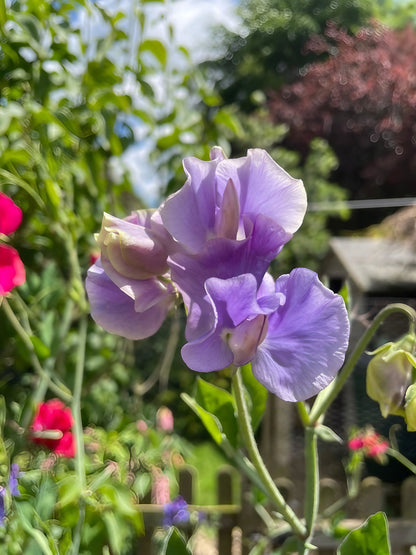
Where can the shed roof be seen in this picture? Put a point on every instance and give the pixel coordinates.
(375, 265)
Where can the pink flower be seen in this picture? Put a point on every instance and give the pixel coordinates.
(51, 428)
(10, 215)
(164, 419)
(370, 443)
(12, 271)
(160, 487)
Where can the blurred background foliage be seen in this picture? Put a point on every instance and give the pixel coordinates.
(82, 86)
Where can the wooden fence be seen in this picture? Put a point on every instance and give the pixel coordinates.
(230, 515)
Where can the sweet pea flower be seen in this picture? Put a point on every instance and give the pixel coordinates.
(176, 512)
(230, 198)
(294, 332)
(370, 444)
(10, 215)
(12, 271)
(129, 291)
(51, 427)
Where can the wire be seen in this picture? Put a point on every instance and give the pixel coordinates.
(362, 204)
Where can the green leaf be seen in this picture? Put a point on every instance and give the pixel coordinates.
(155, 47)
(372, 538)
(23, 511)
(257, 393)
(174, 543)
(219, 403)
(211, 423)
(41, 350)
(328, 435)
(223, 117)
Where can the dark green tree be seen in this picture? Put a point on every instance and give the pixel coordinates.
(270, 50)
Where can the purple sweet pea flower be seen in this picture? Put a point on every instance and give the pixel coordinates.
(224, 198)
(129, 291)
(131, 308)
(295, 333)
(176, 512)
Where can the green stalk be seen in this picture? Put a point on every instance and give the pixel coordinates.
(59, 390)
(402, 459)
(327, 396)
(312, 479)
(78, 432)
(248, 436)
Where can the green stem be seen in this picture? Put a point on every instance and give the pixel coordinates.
(78, 431)
(59, 390)
(327, 396)
(248, 436)
(402, 459)
(312, 479)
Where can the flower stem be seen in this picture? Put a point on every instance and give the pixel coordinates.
(248, 436)
(78, 431)
(312, 478)
(327, 396)
(402, 459)
(59, 390)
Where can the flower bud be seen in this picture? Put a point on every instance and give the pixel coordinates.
(136, 247)
(389, 374)
(410, 408)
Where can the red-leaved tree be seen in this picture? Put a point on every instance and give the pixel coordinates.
(362, 99)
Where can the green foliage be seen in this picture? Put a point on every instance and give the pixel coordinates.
(174, 543)
(371, 538)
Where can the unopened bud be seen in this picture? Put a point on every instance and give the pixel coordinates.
(389, 374)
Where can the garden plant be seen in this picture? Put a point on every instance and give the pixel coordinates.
(81, 450)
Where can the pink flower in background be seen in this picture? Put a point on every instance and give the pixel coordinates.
(51, 427)
(370, 443)
(164, 419)
(10, 215)
(12, 271)
(160, 487)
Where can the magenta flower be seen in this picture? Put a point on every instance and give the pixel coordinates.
(10, 215)
(12, 271)
(51, 427)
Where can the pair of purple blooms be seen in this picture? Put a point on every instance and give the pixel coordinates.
(211, 243)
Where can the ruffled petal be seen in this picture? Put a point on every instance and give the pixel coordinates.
(265, 188)
(306, 341)
(115, 311)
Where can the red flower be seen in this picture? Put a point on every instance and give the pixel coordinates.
(370, 443)
(10, 215)
(51, 428)
(12, 271)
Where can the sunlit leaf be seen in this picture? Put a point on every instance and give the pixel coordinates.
(372, 538)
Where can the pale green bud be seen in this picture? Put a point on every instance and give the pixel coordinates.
(390, 373)
(410, 408)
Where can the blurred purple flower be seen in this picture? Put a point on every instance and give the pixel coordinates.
(13, 483)
(176, 512)
(2, 505)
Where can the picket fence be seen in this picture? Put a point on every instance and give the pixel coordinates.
(230, 516)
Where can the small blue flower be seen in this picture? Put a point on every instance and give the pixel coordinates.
(13, 484)
(176, 512)
(2, 506)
